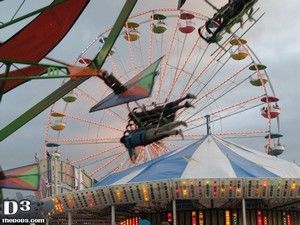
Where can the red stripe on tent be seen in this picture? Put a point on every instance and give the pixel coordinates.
(40, 36)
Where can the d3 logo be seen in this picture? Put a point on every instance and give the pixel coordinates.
(11, 207)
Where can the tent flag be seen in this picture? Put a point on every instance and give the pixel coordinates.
(23, 178)
(138, 87)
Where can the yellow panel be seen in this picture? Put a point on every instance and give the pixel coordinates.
(58, 126)
(132, 25)
(57, 114)
(131, 37)
(238, 41)
(239, 55)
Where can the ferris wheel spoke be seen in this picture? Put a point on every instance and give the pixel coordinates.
(218, 86)
(214, 74)
(235, 134)
(18, 9)
(209, 96)
(178, 63)
(84, 141)
(239, 104)
(80, 93)
(150, 39)
(97, 161)
(172, 145)
(226, 116)
(163, 148)
(141, 151)
(94, 155)
(91, 122)
(179, 71)
(108, 163)
(184, 90)
(187, 89)
(187, 137)
(114, 67)
(161, 44)
(120, 59)
(164, 69)
(218, 98)
(153, 151)
(123, 165)
(141, 53)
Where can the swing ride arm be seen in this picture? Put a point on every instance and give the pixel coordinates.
(70, 85)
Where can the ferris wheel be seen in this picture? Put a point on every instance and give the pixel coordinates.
(234, 94)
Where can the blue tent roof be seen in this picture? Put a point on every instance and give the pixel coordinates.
(209, 157)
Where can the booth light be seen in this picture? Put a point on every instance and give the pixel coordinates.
(265, 184)
(227, 217)
(90, 199)
(58, 206)
(201, 218)
(265, 220)
(145, 193)
(234, 218)
(136, 221)
(259, 217)
(194, 218)
(284, 218)
(293, 187)
(289, 219)
(169, 217)
(70, 201)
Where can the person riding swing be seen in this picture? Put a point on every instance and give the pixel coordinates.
(160, 114)
(143, 136)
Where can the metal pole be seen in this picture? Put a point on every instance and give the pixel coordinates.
(174, 212)
(207, 124)
(2, 79)
(113, 215)
(244, 211)
(47, 221)
(69, 218)
(31, 14)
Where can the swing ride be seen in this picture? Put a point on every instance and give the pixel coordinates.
(188, 65)
(165, 83)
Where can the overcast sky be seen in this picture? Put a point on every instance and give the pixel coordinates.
(275, 40)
